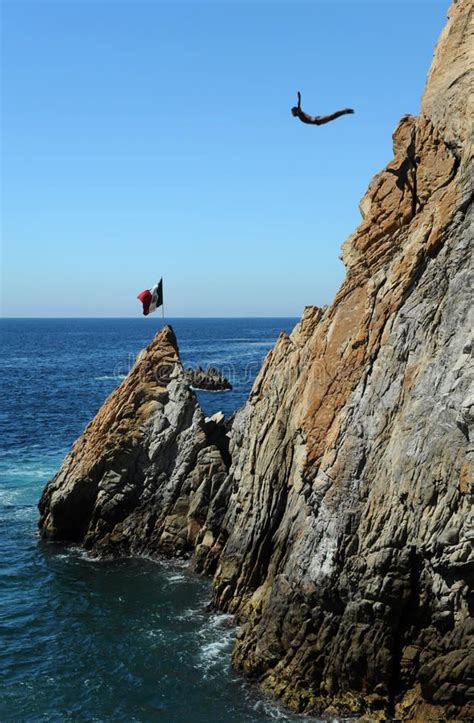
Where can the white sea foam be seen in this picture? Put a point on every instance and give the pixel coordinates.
(155, 637)
(23, 513)
(211, 652)
(9, 497)
(26, 471)
(73, 553)
(52, 454)
(87, 556)
(189, 614)
(62, 556)
(221, 620)
(217, 634)
(181, 563)
(270, 710)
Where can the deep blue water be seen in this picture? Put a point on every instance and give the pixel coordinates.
(83, 640)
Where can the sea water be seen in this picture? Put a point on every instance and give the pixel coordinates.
(85, 640)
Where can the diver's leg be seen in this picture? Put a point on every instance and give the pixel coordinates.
(321, 119)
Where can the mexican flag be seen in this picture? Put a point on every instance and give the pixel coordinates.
(152, 299)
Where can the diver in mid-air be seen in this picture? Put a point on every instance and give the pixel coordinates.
(316, 120)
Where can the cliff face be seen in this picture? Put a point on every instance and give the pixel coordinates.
(341, 533)
(141, 477)
(348, 556)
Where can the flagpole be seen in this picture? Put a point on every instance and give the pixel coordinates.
(162, 303)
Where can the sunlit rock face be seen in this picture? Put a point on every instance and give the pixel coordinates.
(348, 558)
(141, 478)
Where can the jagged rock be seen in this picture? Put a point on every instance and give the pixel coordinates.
(348, 557)
(210, 379)
(340, 537)
(137, 481)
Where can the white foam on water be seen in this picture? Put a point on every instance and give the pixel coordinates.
(29, 470)
(170, 565)
(218, 634)
(189, 614)
(154, 638)
(261, 706)
(9, 497)
(221, 620)
(270, 709)
(86, 556)
(73, 553)
(62, 556)
(22, 513)
(50, 454)
(211, 652)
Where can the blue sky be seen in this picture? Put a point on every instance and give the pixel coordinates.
(145, 139)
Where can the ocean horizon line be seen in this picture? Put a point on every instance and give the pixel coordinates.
(138, 318)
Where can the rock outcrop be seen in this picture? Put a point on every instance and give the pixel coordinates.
(349, 552)
(340, 536)
(211, 379)
(140, 479)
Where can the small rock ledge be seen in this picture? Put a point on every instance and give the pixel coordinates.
(211, 379)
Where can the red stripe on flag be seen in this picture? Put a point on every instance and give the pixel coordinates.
(145, 297)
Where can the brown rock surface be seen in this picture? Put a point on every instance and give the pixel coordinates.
(139, 480)
(349, 551)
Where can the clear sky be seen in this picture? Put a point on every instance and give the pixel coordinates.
(146, 138)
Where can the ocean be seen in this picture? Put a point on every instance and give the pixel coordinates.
(130, 640)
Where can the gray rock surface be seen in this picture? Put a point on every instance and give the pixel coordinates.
(132, 481)
(349, 558)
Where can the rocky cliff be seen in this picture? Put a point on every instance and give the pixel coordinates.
(349, 557)
(141, 478)
(341, 532)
